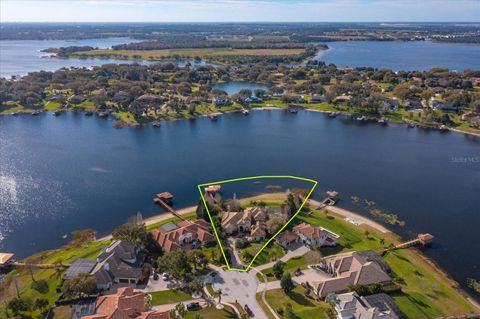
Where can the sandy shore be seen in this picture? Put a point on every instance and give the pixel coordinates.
(356, 217)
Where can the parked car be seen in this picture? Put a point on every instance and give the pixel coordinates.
(193, 306)
(248, 311)
(165, 276)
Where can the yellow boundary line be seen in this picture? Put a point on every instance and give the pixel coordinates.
(276, 234)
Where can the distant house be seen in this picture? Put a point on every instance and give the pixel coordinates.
(319, 98)
(121, 96)
(412, 105)
(221, 101)
(307, 234)
(350, 269)
(120, 262)
(150, 99)
(342, 99)
(378, 306)
(183, 236)
(55, 97)
(447, 107)
(124, 304)
(389, 105)
(76, 99)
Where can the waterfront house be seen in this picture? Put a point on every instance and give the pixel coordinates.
(447, 107)
(343, 99)
(350, 268)
(121, 262)
(412, 105)
(124, 304)
(308, 235)
(250, 221)
(378, 306)
(183, 236)
(286, 238)
(221, 101)
(319, 99)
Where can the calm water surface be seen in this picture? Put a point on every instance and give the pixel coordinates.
(396, 55)
(235, 87)
(18, 57)
(58, 174)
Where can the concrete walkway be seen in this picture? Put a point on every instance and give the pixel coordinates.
(296, 252)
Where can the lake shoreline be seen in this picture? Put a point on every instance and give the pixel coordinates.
(255, 108)
(345, 214)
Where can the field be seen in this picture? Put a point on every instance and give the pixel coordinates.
(159, 54)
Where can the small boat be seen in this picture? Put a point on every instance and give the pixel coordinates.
(362, 118)
(333, 114)
(88, 113)
(57, 113)
(36, 112)
(156, 123)
(214, 117)
(292, 110)
(14, 113)
(245, 112)
(443, 128)
(411, 125)
(102, 114)
(383, 121)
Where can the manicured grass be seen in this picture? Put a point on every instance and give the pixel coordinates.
(427, 292)
(127, 118)
(213, 313)
(270, 253)
(169, 296)
(66, 255)
(51, 106)
(304, 307)
(258, 296)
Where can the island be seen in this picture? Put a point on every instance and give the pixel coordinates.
(301, 258)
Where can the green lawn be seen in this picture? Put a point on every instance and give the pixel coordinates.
(426, 291)
(66, 255)
(213, 313)
(169, 296)
(304, 307)
(190, 216)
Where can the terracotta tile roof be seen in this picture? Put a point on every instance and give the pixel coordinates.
(310, 231)
(349, 269)
(287, 236)
(124, 304)
(171, 240)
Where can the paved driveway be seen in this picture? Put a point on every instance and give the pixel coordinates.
(293, 251)
(241, 287)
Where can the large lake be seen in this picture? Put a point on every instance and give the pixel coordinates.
(397, 55)
(58, 174)
(22, 56)
(18, 57)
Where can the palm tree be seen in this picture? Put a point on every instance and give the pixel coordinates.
(219, 295)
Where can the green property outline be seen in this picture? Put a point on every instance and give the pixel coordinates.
(276, 234)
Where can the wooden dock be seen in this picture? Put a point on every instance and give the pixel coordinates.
(165, 199)
(421, 240)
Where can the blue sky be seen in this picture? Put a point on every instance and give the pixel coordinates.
(239, 10)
